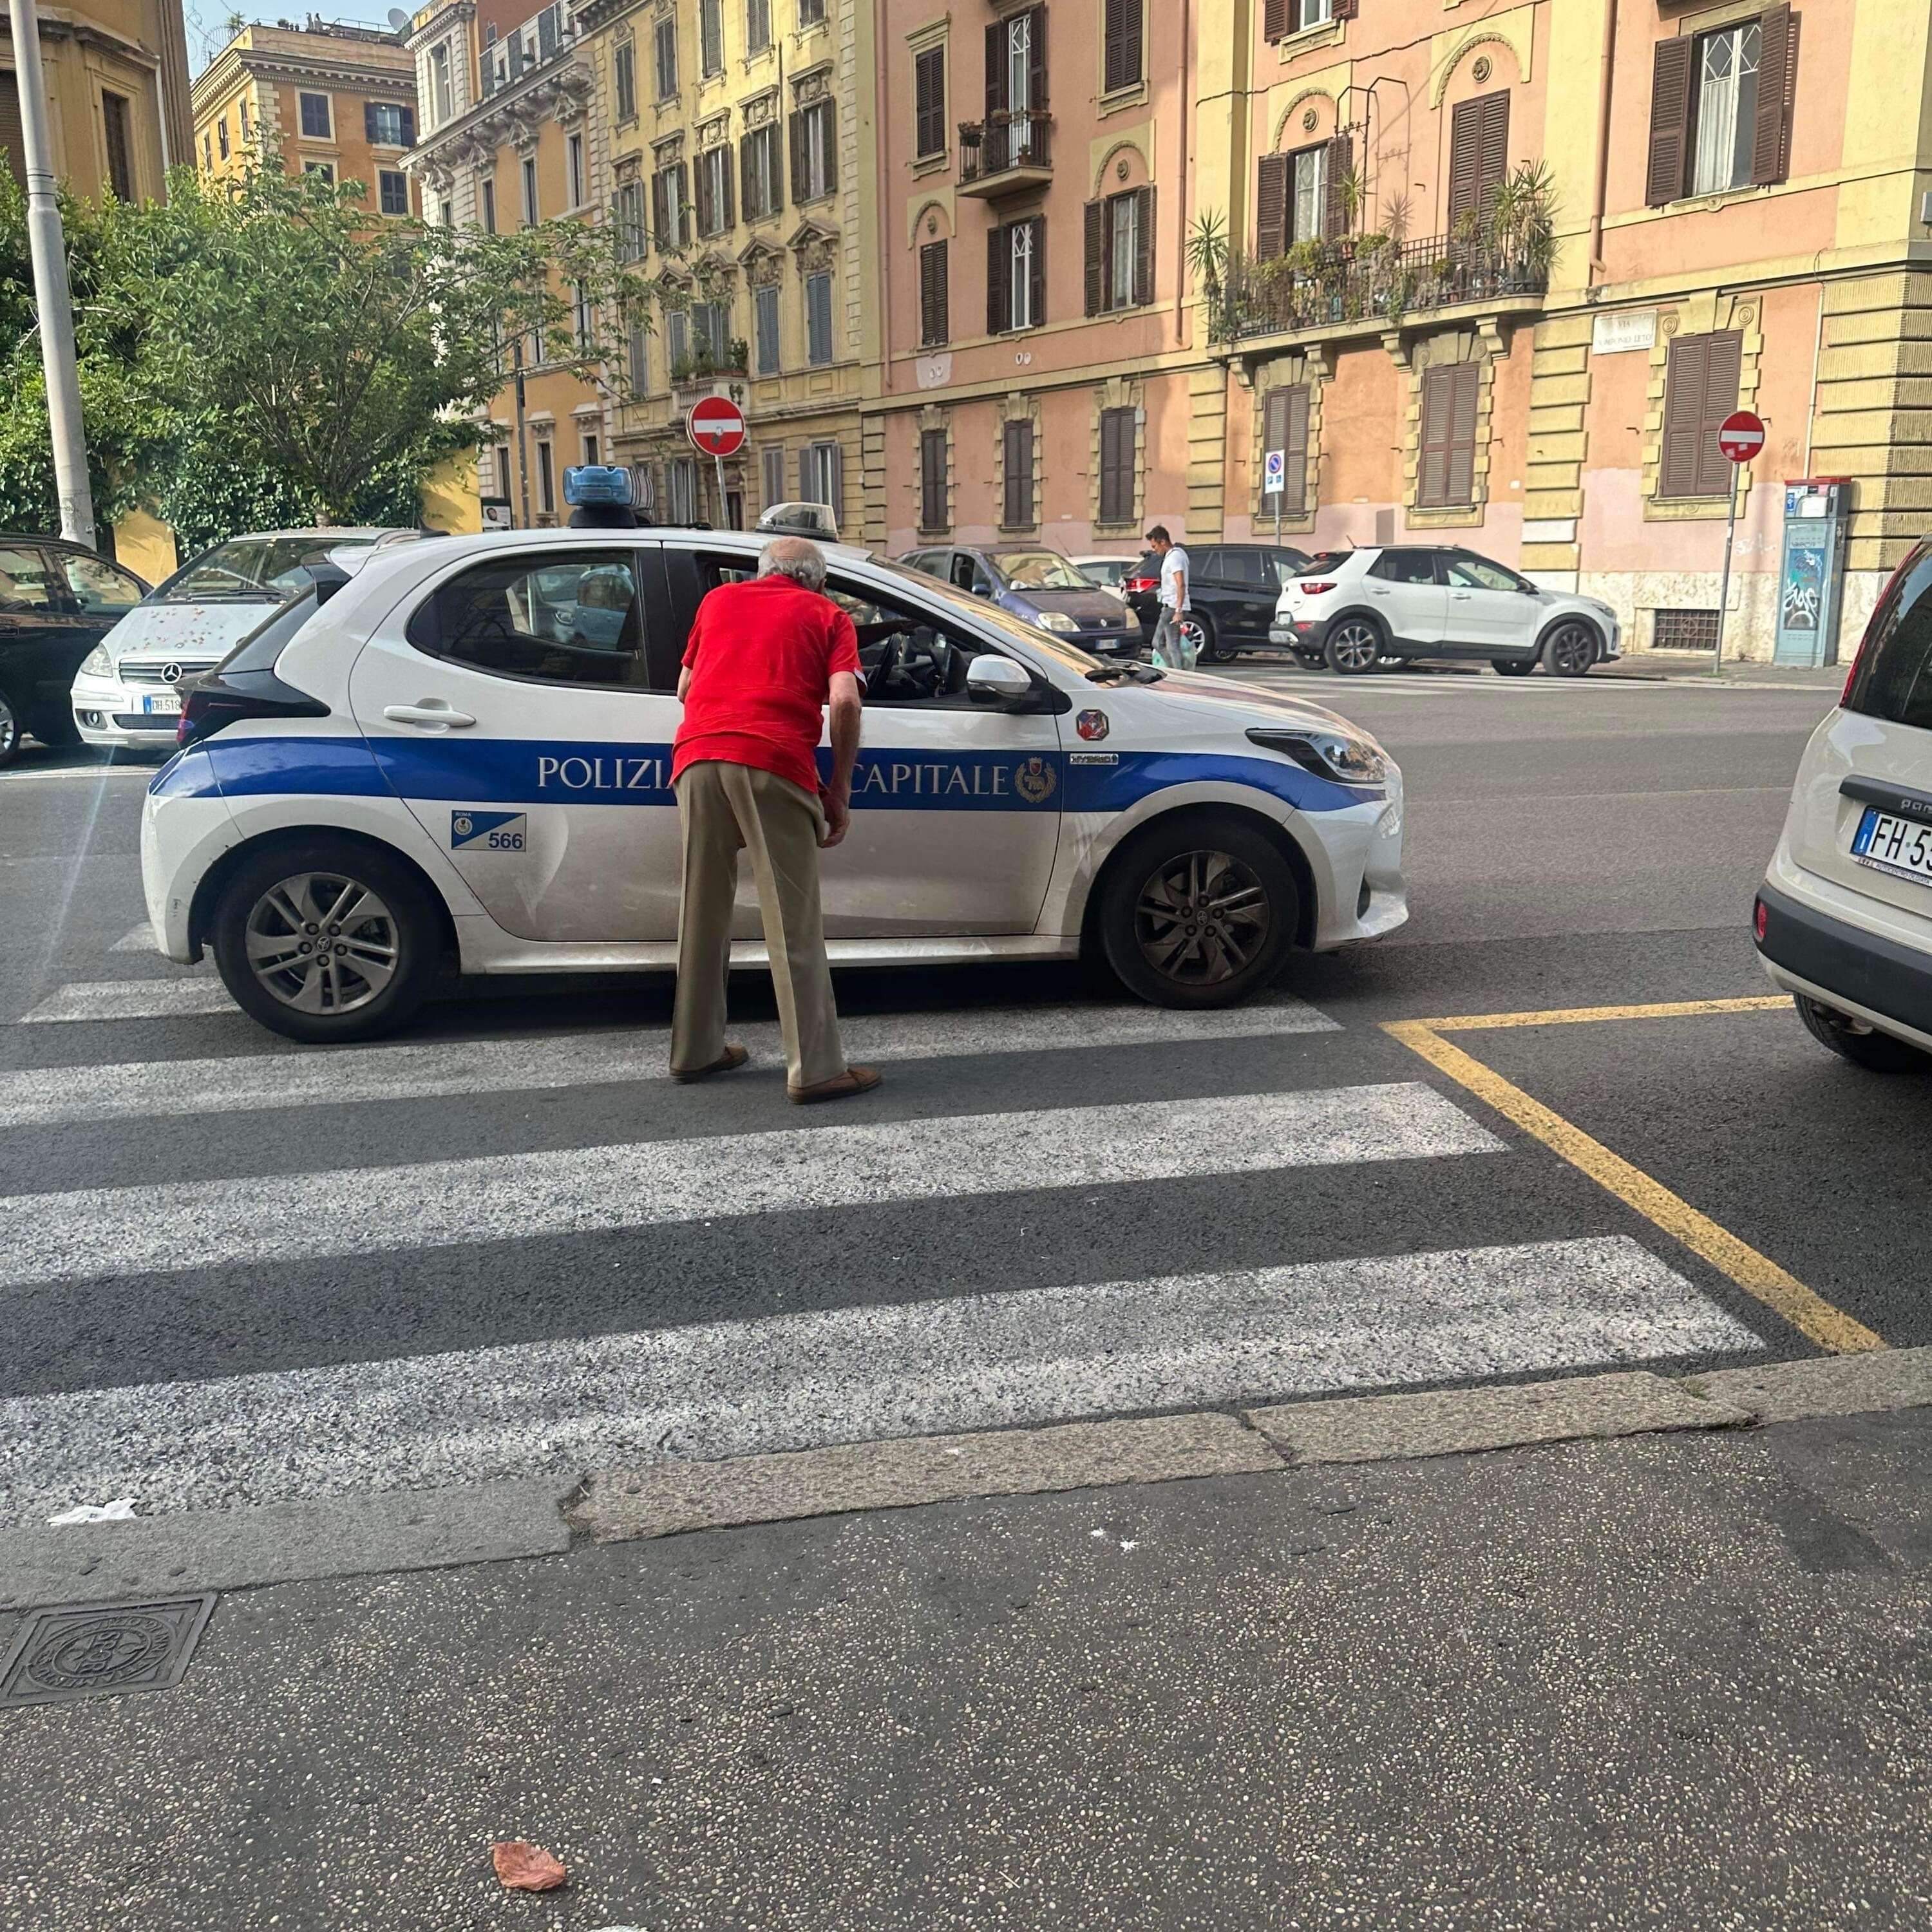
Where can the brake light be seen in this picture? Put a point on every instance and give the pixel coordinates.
(1760, 918)
(1140, 583)
(1315, 589)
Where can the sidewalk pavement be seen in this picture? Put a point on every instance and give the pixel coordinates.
(1670, 1679)
(1696, 667)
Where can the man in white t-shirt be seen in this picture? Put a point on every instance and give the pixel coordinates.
(1171, 649)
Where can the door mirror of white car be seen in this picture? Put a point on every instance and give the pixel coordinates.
(993, 679)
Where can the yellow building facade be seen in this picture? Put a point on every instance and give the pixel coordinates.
(117, 85)
(339, 100)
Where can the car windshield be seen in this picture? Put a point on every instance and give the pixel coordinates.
(1038, 570)
(254, 567)
(1037, 641)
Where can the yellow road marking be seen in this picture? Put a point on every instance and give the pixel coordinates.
(1758, 1275)
(1666, 1009)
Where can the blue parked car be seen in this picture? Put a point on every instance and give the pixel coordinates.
(1042, 587)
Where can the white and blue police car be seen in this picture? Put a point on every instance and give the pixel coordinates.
(455, 754)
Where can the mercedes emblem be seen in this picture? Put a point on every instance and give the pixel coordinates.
(171, 673)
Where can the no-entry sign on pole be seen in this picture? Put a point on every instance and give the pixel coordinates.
(716, 425)
(1741, 436)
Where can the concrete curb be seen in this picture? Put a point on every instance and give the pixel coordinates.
(360, 1535)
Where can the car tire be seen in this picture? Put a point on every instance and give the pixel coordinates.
(304, 876)
(1863, 1046)
(55, 728)
(1355, 645)
(1512, 666)
(1143, 926)
(1571, 648)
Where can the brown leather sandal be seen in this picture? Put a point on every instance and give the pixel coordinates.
(853, 1080)
(732, 1056)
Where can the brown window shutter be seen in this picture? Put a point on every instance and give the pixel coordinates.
(1274, 422)
(1271, 207)
(999, 268)
(1465, 153)
(1777, 73)
(1275, 19)
(1018, 505)
(1122, 42)
(660, 209)
(1465, 386)
(747, 189)
(1294, 441)
(13, 135)
(996, 68)
(1095, 242)
(1431, 490)
(1144, 250)
(1341, 160)
(1494, 167)
(1113, 423)
(929, 97)
(932, 479)
(933, 292)
(797, 158)
(1670, 121)
(829, 110)
(706, 221)
(1683, 417)
(1036, 61)
(1036, 293)
(1723, 364)
(1346, 10)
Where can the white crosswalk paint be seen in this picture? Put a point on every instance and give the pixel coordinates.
(97, 1232)
(800, 1380)
(133, 1000)
(141, 940)
(407, 1071)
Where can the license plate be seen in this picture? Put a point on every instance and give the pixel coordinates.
(1890, 844)
(162, 704)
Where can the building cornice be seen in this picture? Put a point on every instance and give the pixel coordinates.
(511, 117)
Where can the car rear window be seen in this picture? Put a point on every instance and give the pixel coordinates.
(1893, 678)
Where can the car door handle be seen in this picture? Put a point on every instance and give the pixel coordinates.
(432, 712)
(1462, 596)
(1375, 590)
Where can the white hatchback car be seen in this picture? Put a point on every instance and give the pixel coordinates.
(1843, 919)
(459, 756)
(1353, 609)
(127, 694)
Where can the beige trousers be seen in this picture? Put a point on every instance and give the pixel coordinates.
(724, 809)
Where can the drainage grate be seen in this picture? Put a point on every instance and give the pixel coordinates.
(1685, 630)
(98, 1650)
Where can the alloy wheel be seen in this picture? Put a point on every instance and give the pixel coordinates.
(1354, 645)
(1202, 917)
(322, 943)
(1573, 649)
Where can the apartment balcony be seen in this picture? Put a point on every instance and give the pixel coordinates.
(1005, 154)
(1359, 284)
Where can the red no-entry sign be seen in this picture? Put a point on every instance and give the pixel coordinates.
(1741, 436)
(716, 425)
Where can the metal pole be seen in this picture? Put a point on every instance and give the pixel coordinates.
(522, 448)
(53, 300)
(1278, 496)
(1724, 587)
(724, 512)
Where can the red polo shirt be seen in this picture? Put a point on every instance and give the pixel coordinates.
(762, 656)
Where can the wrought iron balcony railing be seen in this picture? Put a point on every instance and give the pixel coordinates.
(1004, 144)
(1368, 278)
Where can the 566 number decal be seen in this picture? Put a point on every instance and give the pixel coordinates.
(487, 831)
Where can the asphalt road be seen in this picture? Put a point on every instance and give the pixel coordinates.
(204, 1222)
(1676, 1680)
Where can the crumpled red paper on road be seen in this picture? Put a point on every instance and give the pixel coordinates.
(522, 1867)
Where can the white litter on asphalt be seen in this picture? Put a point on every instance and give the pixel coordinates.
(121, 1510)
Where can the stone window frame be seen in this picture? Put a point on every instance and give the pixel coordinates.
(1314, 369)
(1701, 315)
(1482, 344)
(1118, 392)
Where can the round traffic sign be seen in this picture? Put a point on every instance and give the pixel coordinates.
(1741, 436)
(716, 425)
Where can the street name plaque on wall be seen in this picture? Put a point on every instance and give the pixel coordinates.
(1624, 329)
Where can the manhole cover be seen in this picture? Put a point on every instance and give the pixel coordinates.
(98, 1650)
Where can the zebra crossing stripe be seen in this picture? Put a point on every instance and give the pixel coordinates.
(98, 1232)
(424, 1070)
(140, 940)
(807, 1380)
(132, 1000)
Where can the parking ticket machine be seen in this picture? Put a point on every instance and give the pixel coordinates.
(1811, 573)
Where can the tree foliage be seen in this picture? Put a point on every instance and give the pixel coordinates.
(262, 350)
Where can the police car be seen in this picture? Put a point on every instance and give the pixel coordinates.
(456, 755)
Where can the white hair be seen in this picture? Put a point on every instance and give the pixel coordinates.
(798, 558)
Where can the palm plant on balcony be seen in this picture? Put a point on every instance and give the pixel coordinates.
(1520, 225)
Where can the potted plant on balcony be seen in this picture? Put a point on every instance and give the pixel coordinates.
(1521, 225)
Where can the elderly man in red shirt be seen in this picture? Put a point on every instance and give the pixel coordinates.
(765, 658)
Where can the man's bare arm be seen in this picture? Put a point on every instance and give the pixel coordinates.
(845, 711)
(683, 683)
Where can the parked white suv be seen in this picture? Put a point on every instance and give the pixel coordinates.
(1353, 609)
(1843, 919)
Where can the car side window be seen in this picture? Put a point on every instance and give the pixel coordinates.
(549, 617)
(1248, 569)
(1405, 566)
(1467, 572)
(100, 588)
(1286, 565)
(908, 657)
(26, 581)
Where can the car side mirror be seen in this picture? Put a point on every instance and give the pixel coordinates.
(993, 679)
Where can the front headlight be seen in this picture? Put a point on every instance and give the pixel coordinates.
(98, 663)
(1056, 620)
(1336, 755)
